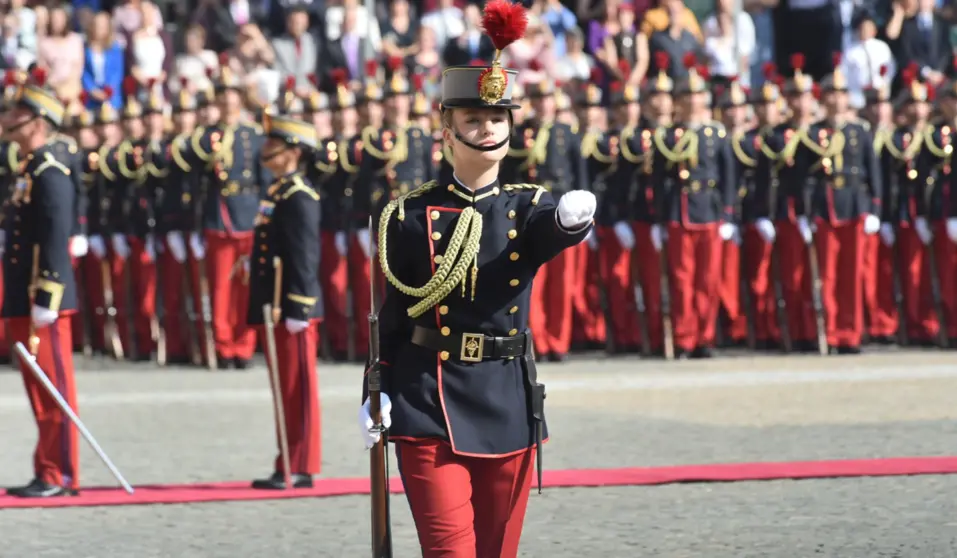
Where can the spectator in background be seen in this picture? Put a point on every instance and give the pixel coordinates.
(600, 29)
(364, 25)
(221, 19)
(13, 56)
(577, 64)
(253, 60)
(863, 61)
(761, 12)
(900, 11)
(128, 19)
(677, 40)
(42, 27)
(26, 25)
(561, 21)
(925, 39)
(147, 50)
(426, 61)
(623, 45)
(400, 31)
(472, 44)
(349, 50)
(193, 63)
(297, 52)
(61, 53)
(103, 63)
(729, 43)
(447, 21)
(535, 45)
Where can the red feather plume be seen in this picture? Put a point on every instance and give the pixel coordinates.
(314, 80)
(704, 72)
(733, 79)
(504, 22)
(596, 75)
(662, 62)
(914, 69)
(108, 92)
(40, 77)
(418, 81)
(395, 63)
(129, 86)
(477, 62)
(290, 83)
(931, 94)
(884, 69)
(184, 83)
(816, 90)
(616, 86)
(151, 83)
(372, 68)
(689, 60)
(624, 67)
(535, 65)
(84, 98)
(210, 72)
(10, 78)
(768, 70)
(836, 59)
(718, 90)
(338, 76)
(797, 61)
(223, 58)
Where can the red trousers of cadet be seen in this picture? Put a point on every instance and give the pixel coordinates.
(648, 269)
(694, 261)
(550, 314)
(92, 269)
(910, 257)
(337, 275)
(465, 507)
(229, 291)
(588, 322)
(616, 274)
(176, 283)
(792, 254)
(729, 292)
(839, 261)
(56, 459)
(946, 252)
(361, 293)
(299, 382)
(760, 282)
(134, 296)
(83, 311)
(5, 341)
(871, 261)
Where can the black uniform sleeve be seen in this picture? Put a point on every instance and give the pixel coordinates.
(263, 175)
(299, 229)
(82, 203)
(544, 236)
(579, 165)
(53, 193)
(729, 186)
(872, 168)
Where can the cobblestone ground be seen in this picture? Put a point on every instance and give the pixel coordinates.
(187, 425)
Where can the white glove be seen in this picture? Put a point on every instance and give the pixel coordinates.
(149, 246)
(575, 209)
(79, 246)
(365, 241)
(42, 317)
(726, 231)
(804, 227)
(765, 228)
(295, 326)
(197, 246)
(97, 246)
(592, 240)
(626, 237)
(120, 246)
(657, 237)
(952, 229)
(871, 224)
(177, 246)
(366, 423)
(341, 245)
(923, 230)
(887, 234)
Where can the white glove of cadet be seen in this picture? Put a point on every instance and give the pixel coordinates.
(197, 246)
(341, 245)
(952, 229)
(804, 227)
(726, 231)
(177, 246)
(97, 246)
(365, 241)
(765, 228)
(657, 237)
(79, 246)
(626, 237)
(295, 326)
(41, 316)
(887, 234)
(149, 247)
(592, 240)
(365, 419)
(575, 209)
(871, 224)
(923, 230)
(120, 246)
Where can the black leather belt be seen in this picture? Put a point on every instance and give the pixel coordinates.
(471, 347)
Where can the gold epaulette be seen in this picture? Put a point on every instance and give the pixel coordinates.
(124, 148)
(299, 186)
(913, 148)
(13, 158)
(49, 161)
(574, 127)
(739, 152)
(177, 155)
(196, 143)
(539, 190)
(369, 136)
(342, 151)
(944, 151)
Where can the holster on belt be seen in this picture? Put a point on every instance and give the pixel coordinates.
(536, 394)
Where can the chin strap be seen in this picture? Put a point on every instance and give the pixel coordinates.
(470, 145)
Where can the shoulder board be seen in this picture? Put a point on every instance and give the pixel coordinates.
(13, 156)
(299, 186)
(49, 161)
(515, 188)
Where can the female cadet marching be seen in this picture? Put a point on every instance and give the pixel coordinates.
(458, 384)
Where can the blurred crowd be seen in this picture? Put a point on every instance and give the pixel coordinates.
(91, 45)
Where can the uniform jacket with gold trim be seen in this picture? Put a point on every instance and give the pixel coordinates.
(480, 408)
(553, 157)
(98, 175)
(41, 212)
(941, 186)
(600, 151)
(907, 168)
(746, 148)
(636, 172)
(785, 165)
(122, 173)
(151, 193)
(333, 169)
(394, 162)
(9, 167)
(697, 188)
(66, 150)
(287, 227)
(849, 179)
(176, 210)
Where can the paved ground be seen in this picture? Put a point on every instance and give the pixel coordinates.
(178, 426)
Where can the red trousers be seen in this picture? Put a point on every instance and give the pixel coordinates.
(588, 322)
(619, 284)
(56, 459)
(5, 341)
(337, 275)
(792, 254)
(176, 324)
(839, 260)
(229, 295)
(871, 262)
(92, 270)
(361, 294)
(648, 269)
(83, 311)
(465, 507)
(550, 315)
(694, 261)
(729, 292)
(910, 257)
(758, 276)
(946, 252)
(134, 296)
(299, 382)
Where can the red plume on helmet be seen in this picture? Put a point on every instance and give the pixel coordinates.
(183, 83)
(314, 80)
(129, 86)
(339, 76)
(209, 72)
(290, 83)
(624, 67)
(615, 87)
(84, 98)
(9, 78)
(150, 84)
(372, 68)
(797, 61)
(689, 61)
(395, 63)
(223, 58)
(418, 82)
(504, 22)
(931, 94)
(596, 75)
(662, 61)
(836, 59)
(816, 90)
(39, 77)
(108, 92)
(768, 69)
(535, 65)
(704, 72)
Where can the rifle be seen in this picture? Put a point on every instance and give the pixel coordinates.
(816, 298)
(379, 453)
(780, 303)
(271, 315)
(112, 333)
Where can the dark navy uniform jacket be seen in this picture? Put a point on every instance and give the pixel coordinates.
(394, 162)
(849, 180)
(333, 169)
(636, 172)
(746, 148)
(150, 196)
(785, 165)
(942, 194)
(175, 211)
(66, 150)
(99, 174)
(600, 151)
(121, 169)
(553, 158)
(908, 172)
(41, 212)
(287, 227)
(479, 408)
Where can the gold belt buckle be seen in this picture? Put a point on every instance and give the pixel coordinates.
(472, 347)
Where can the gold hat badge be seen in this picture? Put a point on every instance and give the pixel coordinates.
(504, 23)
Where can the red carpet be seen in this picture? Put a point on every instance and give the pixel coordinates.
(631, 476)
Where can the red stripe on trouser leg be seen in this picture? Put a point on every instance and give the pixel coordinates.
(465, 507)
(922, 324)
(334, 278)
(56, 459)
(729, 291)
(870, 269)
(883, 315)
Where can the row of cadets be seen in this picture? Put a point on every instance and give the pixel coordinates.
(9, 165)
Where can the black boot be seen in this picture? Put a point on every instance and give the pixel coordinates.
(277, 482)
(241, 363)
(39, 489)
